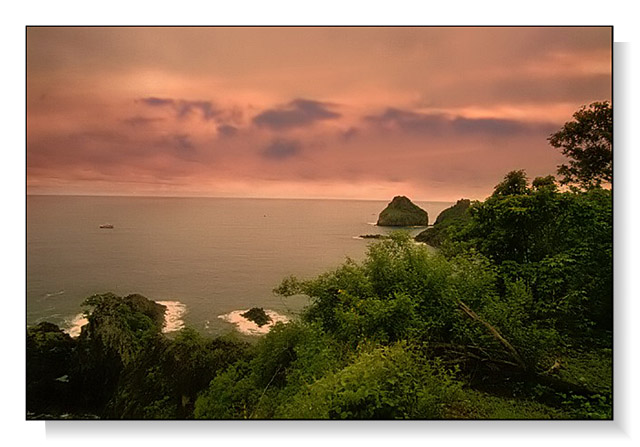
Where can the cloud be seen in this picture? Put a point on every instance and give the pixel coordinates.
(409, 121)
(140, 121)
(183, 143)
(495, 126)
(440, 124)
(439, 108)
(298, 113)
(350, 133)
(184, 108)
(227, 130)
(157, 102)
(281, 149)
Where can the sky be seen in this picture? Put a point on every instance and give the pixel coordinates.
(433, 113)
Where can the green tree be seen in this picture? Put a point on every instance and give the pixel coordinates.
(588, 143)
(547, 183)
(166, 378)
(119, 331)
(515, 182)
(559, 244)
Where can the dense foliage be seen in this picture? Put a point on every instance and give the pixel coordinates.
(453, 216)
(511, 318)
(587, 141)
(560, 245)
(121, 365)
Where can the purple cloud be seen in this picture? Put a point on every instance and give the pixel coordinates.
(184, 108)
(157, 102)
(350, 133)
(438, 124)
(298, 113)
(183, 143)
(281, 149)
(409, 121)
(227, 130)
(140, 121)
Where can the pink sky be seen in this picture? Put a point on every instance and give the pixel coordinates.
(431, 113)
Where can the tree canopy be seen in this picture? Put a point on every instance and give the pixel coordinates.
(587, 141)
(515, 182)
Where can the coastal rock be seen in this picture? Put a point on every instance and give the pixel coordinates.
(249, 327)
(257, 315)
(402, 212)
(455, 215)
(431, 236)
(373, 236)
(457, 211)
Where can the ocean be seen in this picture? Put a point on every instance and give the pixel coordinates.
(205, 258)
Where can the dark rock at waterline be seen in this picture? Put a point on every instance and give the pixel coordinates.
(257, 315)
(373, 236)
(402, 212)
(431, 236)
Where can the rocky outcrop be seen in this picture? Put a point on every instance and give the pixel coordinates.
(457, 214)
(457, 211)
(257, 315)
(402, 212)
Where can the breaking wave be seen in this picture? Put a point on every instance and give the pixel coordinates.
(173, 316)
(248, 327)
(74, 326)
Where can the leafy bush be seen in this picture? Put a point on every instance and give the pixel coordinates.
(391, 382)
(289, 357)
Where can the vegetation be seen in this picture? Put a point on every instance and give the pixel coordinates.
(588, 143)
(455, 212)
(453, 216)
(510, 319)
(402, 212)
(121, 365)
(49, 353)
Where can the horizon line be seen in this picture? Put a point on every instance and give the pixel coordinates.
(225, 197)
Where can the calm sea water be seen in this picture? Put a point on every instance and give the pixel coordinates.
(209, 256)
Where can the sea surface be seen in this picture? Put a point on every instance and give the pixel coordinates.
(205, 258)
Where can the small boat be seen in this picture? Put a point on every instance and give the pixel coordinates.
(106, 226)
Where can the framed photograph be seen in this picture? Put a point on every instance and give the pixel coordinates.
(346, 223)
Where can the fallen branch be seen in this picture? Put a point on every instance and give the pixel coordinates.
(464, 354)
(494, 332)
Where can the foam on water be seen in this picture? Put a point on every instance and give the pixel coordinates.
(248, 327)
(52, 294)
(173, 316)
(172, 319)
(74, 326)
